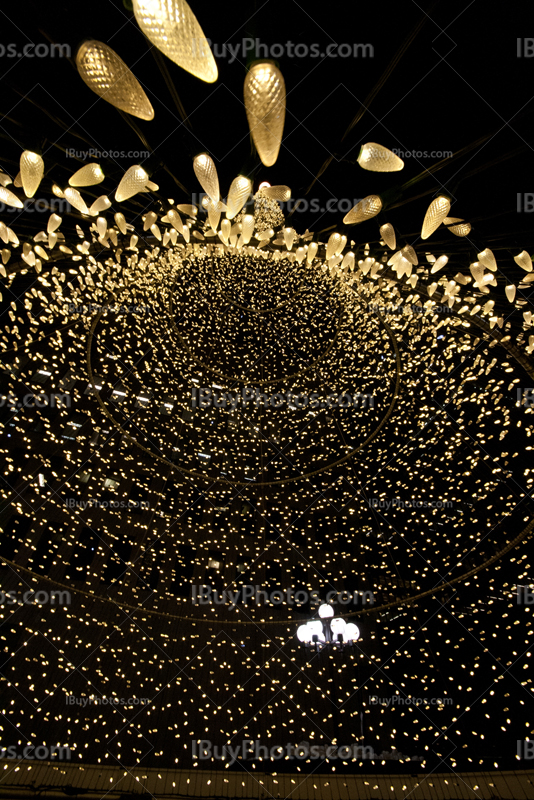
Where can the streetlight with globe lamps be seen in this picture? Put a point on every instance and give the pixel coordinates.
(328, 631)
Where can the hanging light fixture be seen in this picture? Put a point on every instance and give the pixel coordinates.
(265, 104)
(377, 158)
(328, 631)
(172, 27)
(106, 74)
(31, 172)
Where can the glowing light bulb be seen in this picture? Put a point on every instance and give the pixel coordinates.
(524, 261)
(120, 222)
(487, 258)
(206, 173)
(89, 175)
(510, 293)
(439, 264)
(214, 215)
(9, 198)
(462, 229)
(325, 611)
(280, 193)
(247, 228)
(388, 235)
(332, 244)
(435, 215)
(76, 200)
(312, 252)
(377, 158)
(289, 237)
(367, 208)
(134, 180)
(54, 221)
(106, 74)
(237, 196)
(173, 28)
(265, 104)
(31, 172)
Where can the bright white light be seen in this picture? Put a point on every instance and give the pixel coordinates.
(326, 611)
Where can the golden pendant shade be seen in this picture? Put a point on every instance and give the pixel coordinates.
(172, 27)
(134, 180)
(265, 104)
(237, 196)
(366, 209)
(89, 175)
(377, 158)
(106, 74)
(206, 173)
(436, 213)
(31, 172)
(388, 235)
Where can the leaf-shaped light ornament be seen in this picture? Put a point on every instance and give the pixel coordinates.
(387, 233)
(265, 104)
(134, 180)
(366, 209)
(90, 175)
(106, 74)
(31, 172)
(173, 28)
(237, 196)
(435, 214)
(206, 173)
(377, 158)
